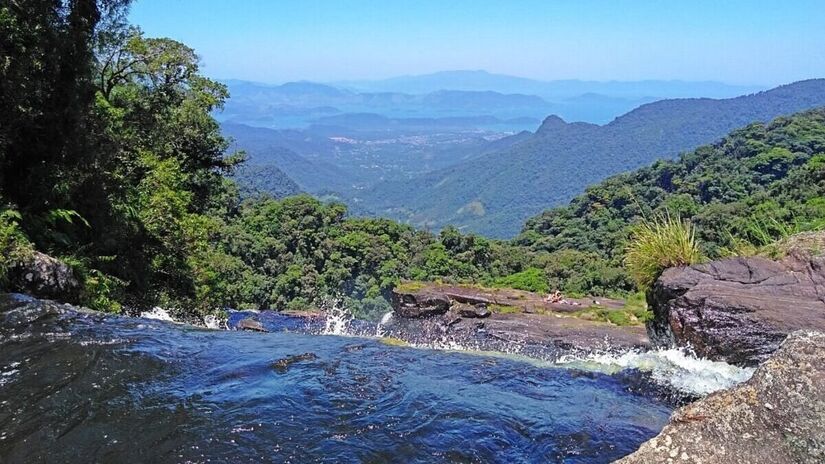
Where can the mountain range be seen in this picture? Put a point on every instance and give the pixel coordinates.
(520, 102)
(495, 193)
(480, 80)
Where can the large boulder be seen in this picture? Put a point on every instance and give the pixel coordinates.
(738, 310)
(778, 416)
(42, 276)
(419, 304)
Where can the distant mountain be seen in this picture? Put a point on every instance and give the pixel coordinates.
(267, 148)
(371, 122)
(495, 193)
(301, 104)
(558, 89)
(352, 153)
(453, 94)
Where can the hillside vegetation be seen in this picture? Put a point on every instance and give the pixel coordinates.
(561, 159)
(761, 183)
(111, 161)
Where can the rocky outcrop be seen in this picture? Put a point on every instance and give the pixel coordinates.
(776, 417)
(45, 277)
(414, 297)
(738, 310)
(503, 320)
(420, 304)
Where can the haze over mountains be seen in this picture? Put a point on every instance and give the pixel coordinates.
(479, 80)
(456, 94)
(450, 148)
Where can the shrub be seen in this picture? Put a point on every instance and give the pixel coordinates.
(657, 244)
(530, 279)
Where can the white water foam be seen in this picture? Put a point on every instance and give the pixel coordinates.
(680, 369)
(210, 321)
(159, 314)
(338, 320)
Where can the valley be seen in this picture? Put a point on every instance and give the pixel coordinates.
(431, 173)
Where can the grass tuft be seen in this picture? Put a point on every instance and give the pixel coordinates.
(657, 244)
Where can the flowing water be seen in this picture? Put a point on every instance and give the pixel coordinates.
(81, 387)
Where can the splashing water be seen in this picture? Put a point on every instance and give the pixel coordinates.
(680, 369)
(385, 319)
(338, 320)
(159, 314)
(210, 321)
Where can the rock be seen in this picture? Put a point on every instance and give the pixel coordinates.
(775, 417)
(282, 365)
(738, 310)
(420, 304)
(45, 277)
(18, 310)
(539, 335)
(434, 314)
(527, 302)
(250, 324)
(470, 311)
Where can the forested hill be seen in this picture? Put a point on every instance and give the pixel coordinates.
(494, 194)
(760, 183)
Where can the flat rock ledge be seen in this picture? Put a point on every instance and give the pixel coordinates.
(738, 310)
(472, 318)
(777, 417)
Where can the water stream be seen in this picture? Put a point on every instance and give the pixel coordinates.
(81, 387)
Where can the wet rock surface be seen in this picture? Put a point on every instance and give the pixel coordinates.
(738, 310)
(778, 416)
(250, 324)
(45, 277)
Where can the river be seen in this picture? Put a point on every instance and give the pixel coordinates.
(80, 387)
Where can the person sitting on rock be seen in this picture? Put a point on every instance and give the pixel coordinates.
(555, 297)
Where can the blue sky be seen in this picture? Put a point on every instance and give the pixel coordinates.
(738, 41)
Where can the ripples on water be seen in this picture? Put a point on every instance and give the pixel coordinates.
(79, 387)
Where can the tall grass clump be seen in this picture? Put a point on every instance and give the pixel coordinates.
(659, 243)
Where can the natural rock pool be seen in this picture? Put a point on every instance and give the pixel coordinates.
(77, 386)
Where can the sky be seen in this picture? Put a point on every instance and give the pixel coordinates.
(754, 42)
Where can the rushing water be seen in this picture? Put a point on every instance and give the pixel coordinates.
(81, 387)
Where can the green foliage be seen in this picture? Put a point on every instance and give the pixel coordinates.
(578, 273)
(739, 194)
(14, 245)
(554, 165)
(657, 244)
(504, 309)
(111, 158)
(101, 292)
(531, 280)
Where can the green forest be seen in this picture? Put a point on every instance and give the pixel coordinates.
(111, 161)
(760, 184)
